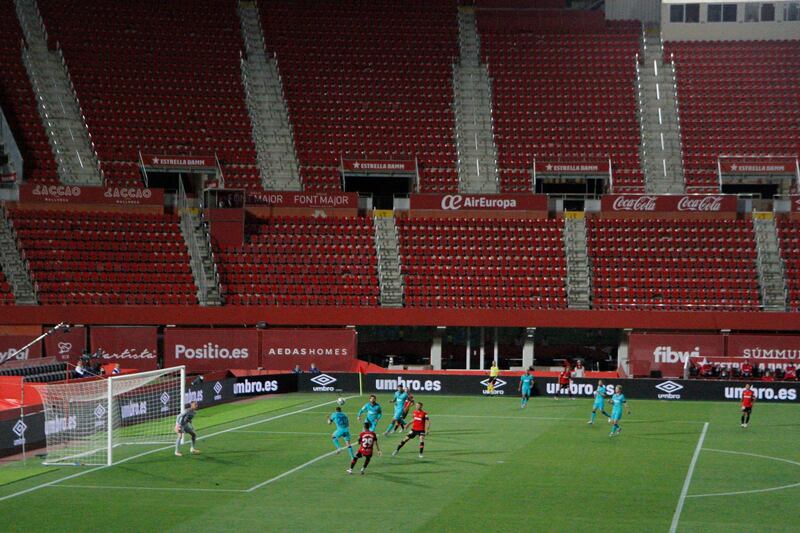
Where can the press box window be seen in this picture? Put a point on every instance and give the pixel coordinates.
(676, 13)
(715, 12)
(751, 12)
(791, 11)
(767, 12)
(692, 13)
(729, 13)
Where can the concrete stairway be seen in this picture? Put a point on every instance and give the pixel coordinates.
(771, 272)
(204, 269)
(472, 102)
(14, 267)
(389, 274)
(579, 291)
(57, 102)
(660, 150)
(266, 105)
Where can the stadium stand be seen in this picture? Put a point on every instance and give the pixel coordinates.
(19, 103)
(302, 261)
(735, 98)
(483, 263)
(363, 78)
(180, 91)
(41, 373)
(6, 295)
(673, 264)
(105, 258)
(789, 237)
(563, 92)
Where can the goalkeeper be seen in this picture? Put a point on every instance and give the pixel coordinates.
(183, 425)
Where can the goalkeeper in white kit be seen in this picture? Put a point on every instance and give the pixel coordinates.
(183, 425)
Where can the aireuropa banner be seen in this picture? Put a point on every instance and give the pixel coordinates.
(328, 349)
(667, 353)
(479, 202)
(211, 349)
(304, 199)
(766, 352)
(79, 194)
(687, 203)
(66, 345)
(9, 344)
(131, 347)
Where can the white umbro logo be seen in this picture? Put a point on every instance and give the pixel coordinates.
(19, 428)
(498, 383)
(217, 387)
(323, 380)
(99, 411)
(669, 387)
(165, 398)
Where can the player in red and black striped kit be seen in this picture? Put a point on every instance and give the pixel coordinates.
(748, 397)
(419, 427)
(564, 381)
(367, 439)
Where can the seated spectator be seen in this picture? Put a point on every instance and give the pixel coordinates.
(791, 372)
(116, 369)
(80, 369)
(747, 370)
(768, 376)
(706, 370)
(313, 369)
(297, 370)
(724, 372)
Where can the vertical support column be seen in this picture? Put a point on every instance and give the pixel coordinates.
(469, 348)
(527, 348)
(483, 349)
(436, 348)
(496, 347)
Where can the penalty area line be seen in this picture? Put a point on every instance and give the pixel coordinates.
(161, 449)
(677, 516)
(292, 471)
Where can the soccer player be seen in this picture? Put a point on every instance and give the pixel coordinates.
(342, 430)
(399, 400)
(419, 427)
(494, 371)
(564, 381)
(373, 410)
(183, 425)
(748, 397)
(366, 440)
(599, 401)
(525, 386)
(617, 400)
(407, 405)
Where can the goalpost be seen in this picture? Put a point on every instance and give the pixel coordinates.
(86, 421)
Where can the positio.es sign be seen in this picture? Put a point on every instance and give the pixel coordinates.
(211, 349)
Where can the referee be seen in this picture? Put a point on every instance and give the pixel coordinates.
(183, 424)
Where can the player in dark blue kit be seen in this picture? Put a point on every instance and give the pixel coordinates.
(183, 425)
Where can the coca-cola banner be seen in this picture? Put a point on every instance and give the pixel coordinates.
(766, 351)
(329, 349)
(667, 353)
(79, 194)
(131, 347)
(303, 199)
(479, 202)
(643, 203)
(785, 165)
(9, 344)
(379, 166)
(198, 162)
(66, 345)
(211, 349)
(572, 167)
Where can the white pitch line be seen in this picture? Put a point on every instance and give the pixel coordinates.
(169, 489)
(292, 471)
(78, 474)
(753, 491)
(280, 432)
(676, 517)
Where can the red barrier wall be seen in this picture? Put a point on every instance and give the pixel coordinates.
(131, 347)
(668, 352)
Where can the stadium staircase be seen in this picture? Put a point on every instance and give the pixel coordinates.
(266, 105)
(14, 267)
(204, 270)
(771, 275)
(58, 104)
(388, 249)
(472, 88)
(579, 291)
(660, 150)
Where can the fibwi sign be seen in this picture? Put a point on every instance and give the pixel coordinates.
(667, 353)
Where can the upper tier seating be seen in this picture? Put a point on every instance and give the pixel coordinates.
(368, 78)
(789, 233)
(302, 261)
(19, 103)
(735, 98)
(563, 92)
(673, 264)
(105, 258)
(483, 263)
(163, 78)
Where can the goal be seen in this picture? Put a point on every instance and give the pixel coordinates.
(87, 422)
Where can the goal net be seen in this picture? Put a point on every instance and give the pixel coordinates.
(86, 421)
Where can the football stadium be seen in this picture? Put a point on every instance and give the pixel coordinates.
(419, 265)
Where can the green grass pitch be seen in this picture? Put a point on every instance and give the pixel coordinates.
(488, 466)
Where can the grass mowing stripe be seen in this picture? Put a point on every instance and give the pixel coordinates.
(78, 474)
(292, 471)
(676, 517)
